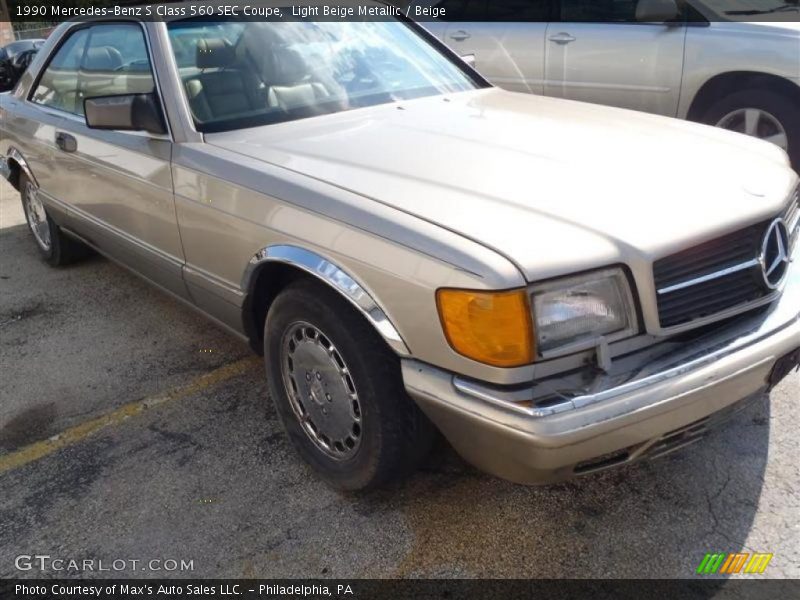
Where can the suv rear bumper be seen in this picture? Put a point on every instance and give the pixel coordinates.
(666, 398)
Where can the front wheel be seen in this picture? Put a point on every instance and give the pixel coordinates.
(764, 114)
(338, 391)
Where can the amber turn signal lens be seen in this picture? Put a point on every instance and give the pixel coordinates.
(494, 328)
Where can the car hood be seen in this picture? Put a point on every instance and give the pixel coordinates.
(555, 186)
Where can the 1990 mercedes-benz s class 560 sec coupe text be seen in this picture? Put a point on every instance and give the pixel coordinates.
(556, 287)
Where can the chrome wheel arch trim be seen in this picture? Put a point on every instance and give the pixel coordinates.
(334, 276)
(16, 156)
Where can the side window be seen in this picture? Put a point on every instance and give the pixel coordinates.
(116, 62)
(104, 60)
(599, 11)
(58, 85)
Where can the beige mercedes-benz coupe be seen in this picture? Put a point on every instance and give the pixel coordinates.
(557, 287)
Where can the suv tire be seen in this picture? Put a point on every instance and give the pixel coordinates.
(774, 108)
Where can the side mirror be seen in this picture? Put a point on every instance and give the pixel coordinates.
(469, 59)
(657, 11)
(129, 112)
(23, 60)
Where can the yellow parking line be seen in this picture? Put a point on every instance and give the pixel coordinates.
(80, 432)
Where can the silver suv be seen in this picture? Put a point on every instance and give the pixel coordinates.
(691, 59)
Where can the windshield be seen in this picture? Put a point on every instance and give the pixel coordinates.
(238, 74)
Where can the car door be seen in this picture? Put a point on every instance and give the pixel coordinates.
(598, 52)
(508, 53)
(116, 185)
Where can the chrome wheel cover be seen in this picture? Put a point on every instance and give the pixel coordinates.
(757, 123)
(321, 391)
(36, 216)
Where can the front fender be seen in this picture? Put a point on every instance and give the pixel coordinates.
(334, 276)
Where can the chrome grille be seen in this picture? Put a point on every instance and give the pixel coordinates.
(792, 218)
(718, 275)
(729, 265)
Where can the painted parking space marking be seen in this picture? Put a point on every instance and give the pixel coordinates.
(80, 432)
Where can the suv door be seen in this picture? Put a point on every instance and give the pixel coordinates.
(509, 54)
(598, 52)
(117, 186)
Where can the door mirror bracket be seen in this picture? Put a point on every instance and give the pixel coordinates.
(127, 112)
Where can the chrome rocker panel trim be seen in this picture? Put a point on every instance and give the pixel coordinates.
(337, 278)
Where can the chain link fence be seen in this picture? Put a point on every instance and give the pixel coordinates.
(33, 33)
(28, 30)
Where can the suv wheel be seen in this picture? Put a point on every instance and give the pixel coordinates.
(338, 390)
(766, 115)
(56, 248)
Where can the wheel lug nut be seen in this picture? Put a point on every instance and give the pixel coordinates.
(328, 398)
(308, 376)
(319, 376)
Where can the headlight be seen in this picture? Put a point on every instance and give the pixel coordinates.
(490, 327)
(572, 314)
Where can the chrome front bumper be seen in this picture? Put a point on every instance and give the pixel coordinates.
(558, 428)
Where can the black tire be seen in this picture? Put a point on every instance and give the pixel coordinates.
(62, 250)
(778, 105)
(394, 434)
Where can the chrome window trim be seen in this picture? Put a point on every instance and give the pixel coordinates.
(328, 272)
(156, 88)
(176, 104)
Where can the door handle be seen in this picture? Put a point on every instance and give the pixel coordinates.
(562, 38)
(66, 142)
(460, 35)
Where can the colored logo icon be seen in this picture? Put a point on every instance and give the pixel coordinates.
(715, 563)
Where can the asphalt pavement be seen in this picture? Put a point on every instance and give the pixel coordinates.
(132, 429)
